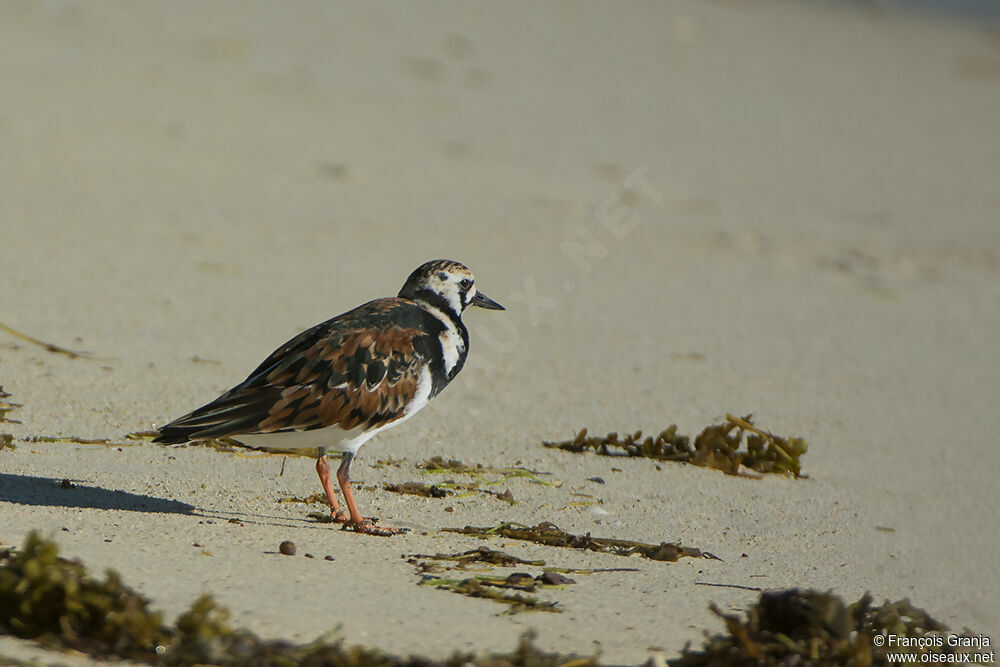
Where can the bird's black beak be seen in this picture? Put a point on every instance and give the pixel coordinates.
(486, 302)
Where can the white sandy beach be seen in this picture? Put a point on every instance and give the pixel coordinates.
(688, 208)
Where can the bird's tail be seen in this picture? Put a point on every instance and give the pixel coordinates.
(174, 435)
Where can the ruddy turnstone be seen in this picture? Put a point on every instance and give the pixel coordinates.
(341, 382)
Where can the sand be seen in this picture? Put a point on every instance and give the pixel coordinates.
(691, 208)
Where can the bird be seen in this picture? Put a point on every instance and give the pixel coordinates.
(341, 382)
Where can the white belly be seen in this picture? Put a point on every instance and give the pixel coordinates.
(332, 437)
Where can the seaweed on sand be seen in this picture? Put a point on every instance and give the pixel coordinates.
(439, 465)
(6, 406)
(447, 488)
(490, 586)
(551, 535)
(718, 446)
(72, 354)
(482, 476)
(7, 439)
(480, 555)
(433, 569)
(141, 435)
(68, 439)
(48, 598)
(807, 627)
(419, 489)
(314, 499)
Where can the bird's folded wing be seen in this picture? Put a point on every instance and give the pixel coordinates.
(350, 373)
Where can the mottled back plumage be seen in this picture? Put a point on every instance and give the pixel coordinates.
(357, 369)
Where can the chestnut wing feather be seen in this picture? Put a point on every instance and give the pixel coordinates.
(358, 369)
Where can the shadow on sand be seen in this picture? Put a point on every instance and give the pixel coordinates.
(48, 492)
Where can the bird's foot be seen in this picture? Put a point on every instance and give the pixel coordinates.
(368, 528)
(345, 518)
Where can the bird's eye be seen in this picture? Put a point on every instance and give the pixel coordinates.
(466, 283)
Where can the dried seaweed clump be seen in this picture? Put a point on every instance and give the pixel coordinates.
(491, 588)
(6, 406)
(419, 489)
(72, 354)
(439, 465)
(551, 535)
(446, 489)
(719, 446)
(807, 627)
(54, 600)
(481, 555)
(434, 568)
(46, 597)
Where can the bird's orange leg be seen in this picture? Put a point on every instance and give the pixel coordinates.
(358, 522)
(323, 469)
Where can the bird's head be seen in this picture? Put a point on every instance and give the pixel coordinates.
(443, 282)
